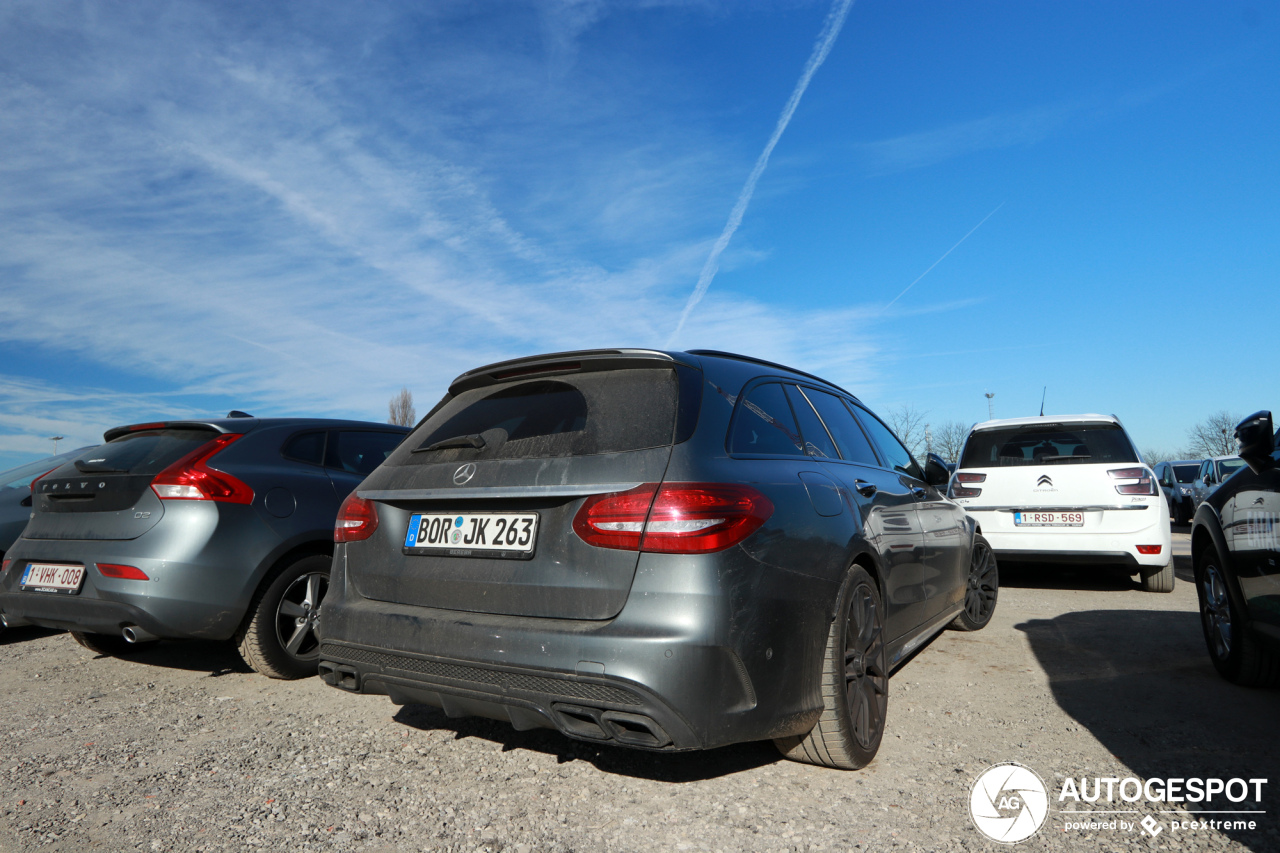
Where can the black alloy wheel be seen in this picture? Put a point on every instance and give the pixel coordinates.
(278, 637)
(854, 683)
(982, 588)
(298, 613)
(865, 677)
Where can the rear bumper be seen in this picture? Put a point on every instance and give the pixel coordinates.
(195, 594)
(1107, 538)
(681, 667)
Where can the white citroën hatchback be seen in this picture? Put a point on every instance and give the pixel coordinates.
(1066, 488)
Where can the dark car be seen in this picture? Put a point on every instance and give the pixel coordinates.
(662, 550)
(218, 529)
(15, 495)
(1176, 480)
(1235, 542)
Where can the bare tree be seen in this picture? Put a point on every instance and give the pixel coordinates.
(1153, 457)
(908, 424)
(1213, 436)
(400, 410)
(948, 440)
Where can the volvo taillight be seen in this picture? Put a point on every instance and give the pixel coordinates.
(191, 478)
(678, 518)
(357, 519)
(41, 477)
(1144, 482)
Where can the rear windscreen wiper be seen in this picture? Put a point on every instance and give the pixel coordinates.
(474, 441)
(85, 468)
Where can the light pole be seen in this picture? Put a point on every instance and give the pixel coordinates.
(55, 439)
(991, 409)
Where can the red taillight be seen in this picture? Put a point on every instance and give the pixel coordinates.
(678, 518)
(1150, 549)
(41, 477)
(971, 478)
(191, 478)
(129, 573)
(962, 492)
(4, 566)
(357, 519)
(1146, 484)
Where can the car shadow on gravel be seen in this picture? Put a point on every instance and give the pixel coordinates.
(1141, 682)
(25, 633)
(1073, 576)
(217, 659)
(656, 766)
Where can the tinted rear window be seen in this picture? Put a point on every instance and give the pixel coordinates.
(360, 451)
(609, 411)
(1186, 473)
(764, 424)
(142, 453)
(1048, 444)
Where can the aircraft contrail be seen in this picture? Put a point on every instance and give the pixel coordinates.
(826, 38)
(939, 260)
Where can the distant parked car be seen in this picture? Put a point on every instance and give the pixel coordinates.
(1211, 475)
(659, 550)
(1176, 479)
(1066, 488)
(1235, 545)
(219, 529)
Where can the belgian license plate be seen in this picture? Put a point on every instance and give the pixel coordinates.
(473, 534)
(1048, 519)
(53, 577)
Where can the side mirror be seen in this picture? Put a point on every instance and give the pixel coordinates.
(1255, 435)
(935, 471)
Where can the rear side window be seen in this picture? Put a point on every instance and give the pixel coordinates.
(306, 447)
(816, 440)
(360, 451)
(896, 456)
(608, 411)
(849, 437)
(142, 453)
(764, 424)
(1048, 444)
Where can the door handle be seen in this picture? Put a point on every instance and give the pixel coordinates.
(864, 488)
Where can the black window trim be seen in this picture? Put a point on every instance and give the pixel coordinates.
(750, 386)
(848, 401)
(324, 448)
(884, 460)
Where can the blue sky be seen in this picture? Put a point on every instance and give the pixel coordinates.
(296, 208)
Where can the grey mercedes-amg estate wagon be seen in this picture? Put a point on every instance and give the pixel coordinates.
(662, 550)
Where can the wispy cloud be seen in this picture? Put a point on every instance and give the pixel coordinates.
(826, 38)
(916, 150)
(241, 212)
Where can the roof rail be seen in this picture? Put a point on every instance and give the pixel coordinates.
(754, 360)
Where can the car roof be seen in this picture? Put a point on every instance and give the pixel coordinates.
(1000, 423)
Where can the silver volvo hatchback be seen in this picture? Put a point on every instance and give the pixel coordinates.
(661, 550)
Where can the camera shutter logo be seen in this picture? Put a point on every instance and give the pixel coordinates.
(1008, 803)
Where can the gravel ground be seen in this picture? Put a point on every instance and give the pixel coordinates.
(181, 748)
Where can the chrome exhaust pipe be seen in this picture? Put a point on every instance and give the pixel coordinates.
(12, 621)
(134, 634)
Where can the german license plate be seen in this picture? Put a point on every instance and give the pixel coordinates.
(1048, 519)
(473, 534)
(53, 577)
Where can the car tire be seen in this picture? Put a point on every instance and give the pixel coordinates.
(278, 638)
(855, 683)
(981, 589)
(108, 644)
(1157, 578)
(1236, 655)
